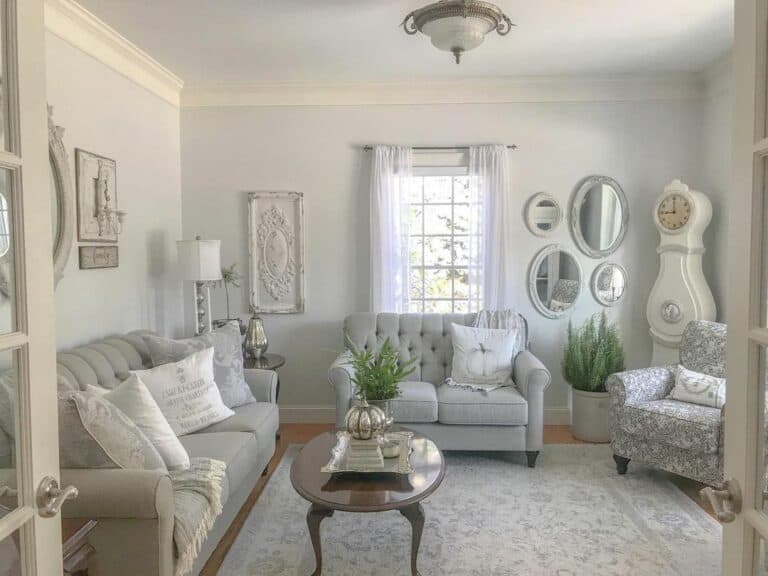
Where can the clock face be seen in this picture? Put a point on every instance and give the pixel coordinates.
(674, 212)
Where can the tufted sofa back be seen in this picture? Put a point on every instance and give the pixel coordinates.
(426, 337)
(103, 363)
(702, 348)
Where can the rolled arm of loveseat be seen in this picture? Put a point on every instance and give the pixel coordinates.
(340, 376)
(263, 384)
(532, 378)
(640, 385)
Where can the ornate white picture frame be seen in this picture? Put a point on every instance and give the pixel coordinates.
(96, 194)
(276, 251)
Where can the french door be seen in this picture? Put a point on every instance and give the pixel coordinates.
(30, 534)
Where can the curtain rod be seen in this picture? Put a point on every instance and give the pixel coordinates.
(509, 146)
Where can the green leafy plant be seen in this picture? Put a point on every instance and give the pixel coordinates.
(230, 276)
(594, 352)
(378, 375)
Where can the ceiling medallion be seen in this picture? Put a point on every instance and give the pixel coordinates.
(457, 25)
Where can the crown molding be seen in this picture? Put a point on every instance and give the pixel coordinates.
(80, 28)
(464, 91)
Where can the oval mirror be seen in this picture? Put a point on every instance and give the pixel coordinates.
(599, 216)
(543, 214)
(554, 281)
(609, 282)
(62, 199)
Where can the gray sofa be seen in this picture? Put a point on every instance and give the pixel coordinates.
(508, 419)
(686, 439)
(135, 508)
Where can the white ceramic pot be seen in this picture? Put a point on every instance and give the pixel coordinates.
(589, 419)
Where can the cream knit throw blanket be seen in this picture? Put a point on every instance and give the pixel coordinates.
(197, 501)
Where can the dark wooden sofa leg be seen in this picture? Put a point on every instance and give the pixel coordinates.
(532, 455)
(621, 463)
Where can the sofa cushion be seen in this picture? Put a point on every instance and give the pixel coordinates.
(680, 424)
(501, 407)
(417, 403)
(259, 418)
(238, 450)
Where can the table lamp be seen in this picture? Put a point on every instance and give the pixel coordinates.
(200, 261)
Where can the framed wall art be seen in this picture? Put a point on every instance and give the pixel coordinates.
(276, 250)
(92, 257)
(97, 212)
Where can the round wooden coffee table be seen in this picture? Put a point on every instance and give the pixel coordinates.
(353, 492)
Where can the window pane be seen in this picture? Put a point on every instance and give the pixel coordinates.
(416, 284)
(10, 554)
(762, 481)
(461, 215)
(437, 283)
(764, 166)
(460, 283)
(415, 219)
(461, 189)
(4, 99)
(461, 306)
(416, 246)
(416, 307)
(438, 220)
(437, 251)
(8, 431)
(438, 306)
(7, 283)
(414, 190)
(438, 189)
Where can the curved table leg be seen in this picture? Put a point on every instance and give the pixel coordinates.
(315, 515)
(415, 515)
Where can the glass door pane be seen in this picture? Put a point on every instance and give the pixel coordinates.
(10, 555)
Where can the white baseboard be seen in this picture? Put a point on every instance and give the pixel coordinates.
(319, 414)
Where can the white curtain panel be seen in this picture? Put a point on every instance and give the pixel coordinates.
(391, 171)
(489, 171)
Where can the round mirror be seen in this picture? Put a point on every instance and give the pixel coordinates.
(599, 216)
(609, 282)
(554, 281)
(62, 199)
(543, 214)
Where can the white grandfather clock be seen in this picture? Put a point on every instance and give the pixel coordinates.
(681, 292)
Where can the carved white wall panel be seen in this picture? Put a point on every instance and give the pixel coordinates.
(276, 248)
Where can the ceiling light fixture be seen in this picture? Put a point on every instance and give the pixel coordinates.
(457, 25)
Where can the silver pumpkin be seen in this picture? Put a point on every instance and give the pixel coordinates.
(364, 420)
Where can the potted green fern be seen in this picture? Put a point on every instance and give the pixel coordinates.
(378, 375)
(593, 352)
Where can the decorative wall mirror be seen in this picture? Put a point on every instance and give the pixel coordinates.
(609, 282)
(543, 214)
(554, 281)
(599, 216)
(62, 198)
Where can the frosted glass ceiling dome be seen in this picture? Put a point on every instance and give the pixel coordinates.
(457, 25)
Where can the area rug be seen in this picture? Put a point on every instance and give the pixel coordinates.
(570, 516)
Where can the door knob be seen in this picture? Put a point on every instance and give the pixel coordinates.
(50, 497)
(726, 502)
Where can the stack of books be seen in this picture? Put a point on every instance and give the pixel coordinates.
(365, 455)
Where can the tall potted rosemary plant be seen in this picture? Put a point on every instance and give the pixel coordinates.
(594, 352)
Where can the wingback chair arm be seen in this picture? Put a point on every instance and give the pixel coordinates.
(640, 385)
(532, 378)
(340, 376)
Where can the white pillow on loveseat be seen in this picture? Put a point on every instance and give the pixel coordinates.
(186, 392)
(482, 355)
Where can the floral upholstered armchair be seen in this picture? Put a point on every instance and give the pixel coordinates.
(683, 438)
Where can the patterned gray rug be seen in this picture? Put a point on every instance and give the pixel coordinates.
(571, 515)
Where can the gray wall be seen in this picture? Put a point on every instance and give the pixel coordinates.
(317, 150)
(104, 112)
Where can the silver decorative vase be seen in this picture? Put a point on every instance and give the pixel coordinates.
(256, 342)
(364, 421)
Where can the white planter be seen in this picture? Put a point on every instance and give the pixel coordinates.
(589, 419)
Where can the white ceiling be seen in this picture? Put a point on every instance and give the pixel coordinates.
(327, 41)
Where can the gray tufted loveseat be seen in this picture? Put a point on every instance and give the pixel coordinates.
(686, 439)
(135, 508)
(509, 419)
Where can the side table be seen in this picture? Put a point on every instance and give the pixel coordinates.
(267, 362)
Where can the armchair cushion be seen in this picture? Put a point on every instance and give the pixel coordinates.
(680, 424)
(501, 407)
(417, 403)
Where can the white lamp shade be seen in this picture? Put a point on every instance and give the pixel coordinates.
(199, 260)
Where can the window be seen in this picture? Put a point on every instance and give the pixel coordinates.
(443, 238)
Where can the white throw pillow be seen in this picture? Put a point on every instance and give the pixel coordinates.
(482, 355)
(186, 392)
(136, 402)
(698, 388)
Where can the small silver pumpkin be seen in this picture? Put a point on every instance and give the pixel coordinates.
(364, 420)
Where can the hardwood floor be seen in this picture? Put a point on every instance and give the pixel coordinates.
(301, 433)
